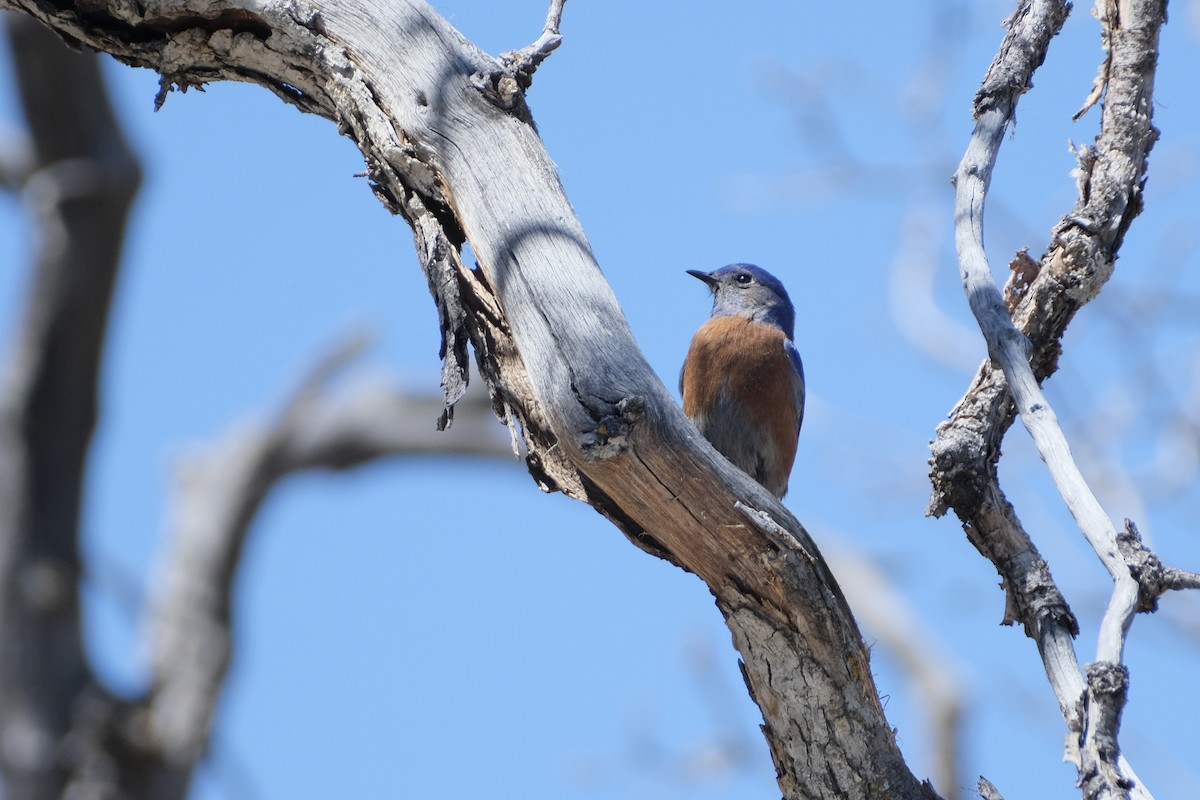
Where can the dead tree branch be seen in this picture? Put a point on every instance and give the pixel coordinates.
(525, 61)
(459, 161)
(1042, 298)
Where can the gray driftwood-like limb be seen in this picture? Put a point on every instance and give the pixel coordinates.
(461, 159)
(78, 184)
(1079, 261)
(995, 106)
(188, 632)
(525, 61)
(968, 444)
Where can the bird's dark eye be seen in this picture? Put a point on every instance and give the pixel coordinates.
(745, 278)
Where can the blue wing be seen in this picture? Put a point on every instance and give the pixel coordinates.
(797, 379)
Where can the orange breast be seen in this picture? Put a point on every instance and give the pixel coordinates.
(738, 387)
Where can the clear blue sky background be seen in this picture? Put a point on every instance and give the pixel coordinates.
(440, 628)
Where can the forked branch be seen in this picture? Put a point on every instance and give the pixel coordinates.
(1077, 264)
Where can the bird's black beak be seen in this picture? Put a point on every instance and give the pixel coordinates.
(704, 276)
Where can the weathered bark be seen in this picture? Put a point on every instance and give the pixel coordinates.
(449, 143)
(1023, 328)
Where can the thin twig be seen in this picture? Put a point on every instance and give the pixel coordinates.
(1107, 12)
(524, 62)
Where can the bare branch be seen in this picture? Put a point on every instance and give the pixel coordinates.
(1107, 12)
(524, 62)
(1127, 111)
(80, 181)
(995, 106)
(1077, 263)
(188, 633)
(1153, 577)
(1031, 595)
(1180, 579)
(1100, 770)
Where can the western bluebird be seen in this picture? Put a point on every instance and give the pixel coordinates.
(742, 381)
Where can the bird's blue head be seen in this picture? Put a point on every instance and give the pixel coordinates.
(744, 290)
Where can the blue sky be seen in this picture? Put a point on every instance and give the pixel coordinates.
(438, 627)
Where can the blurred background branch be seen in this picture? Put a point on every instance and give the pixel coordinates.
(77, 184)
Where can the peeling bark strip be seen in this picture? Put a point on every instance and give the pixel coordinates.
(1023, 328)
(449, 143)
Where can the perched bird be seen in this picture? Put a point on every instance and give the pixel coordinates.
(742, 381)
